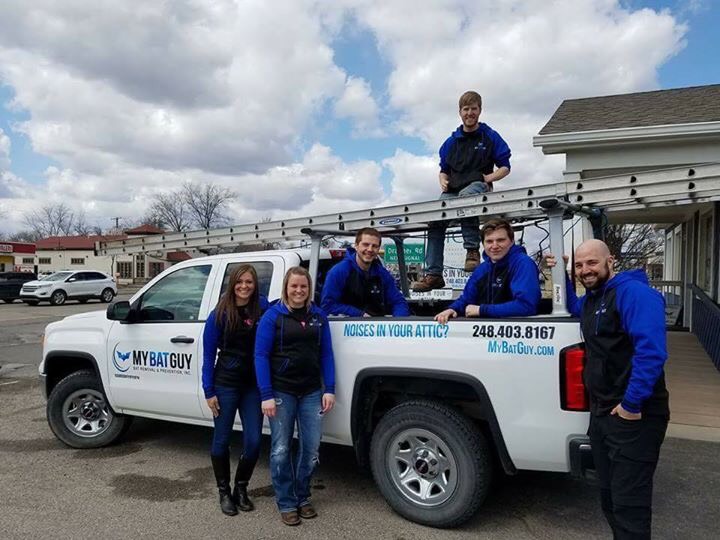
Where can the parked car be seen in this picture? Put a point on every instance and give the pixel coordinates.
(11, 283)
(69, 285)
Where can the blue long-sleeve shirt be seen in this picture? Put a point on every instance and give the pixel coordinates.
(507, 288)
(500, 152)
(212, 333)
(641, 311)
(337, 281)
(266, 338)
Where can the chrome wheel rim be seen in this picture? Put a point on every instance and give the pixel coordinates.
(422, 467)
(107, 296)
(86, 413)
(58, 298)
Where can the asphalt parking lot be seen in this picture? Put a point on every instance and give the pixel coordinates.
(158, 482)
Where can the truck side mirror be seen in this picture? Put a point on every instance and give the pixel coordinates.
(120, 311)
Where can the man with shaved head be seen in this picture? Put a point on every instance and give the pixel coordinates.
(623, 324)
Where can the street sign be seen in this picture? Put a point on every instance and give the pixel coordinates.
(414, 253)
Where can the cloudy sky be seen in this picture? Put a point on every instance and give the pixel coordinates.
(303, 106)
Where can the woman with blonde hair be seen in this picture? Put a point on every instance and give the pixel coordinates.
(295, 372)
(228, 380)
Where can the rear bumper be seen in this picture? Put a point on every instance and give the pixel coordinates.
(581, 459)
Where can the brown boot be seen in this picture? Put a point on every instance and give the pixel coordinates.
(290, 518)
(428, 283)
(307, 511)
(472, 259)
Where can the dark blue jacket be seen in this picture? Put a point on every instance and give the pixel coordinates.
(465, 157)
(269, 343)
(623, 325)
(335, 289)
(212, 335)
(507, 288)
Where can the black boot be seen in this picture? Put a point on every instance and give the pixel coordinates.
(221, 468)
(242, 477)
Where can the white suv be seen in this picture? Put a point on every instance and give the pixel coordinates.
(66, 285)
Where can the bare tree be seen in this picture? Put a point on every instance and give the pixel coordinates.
(169, 211)
(633, 246)
(207, 203)
(23, 236)
(50, 220)
(82, 228)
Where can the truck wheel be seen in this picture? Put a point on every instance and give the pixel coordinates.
(58, 298)
(107, 295)
(8, 300)
(430, 463)
(79, 414)
(31, 302)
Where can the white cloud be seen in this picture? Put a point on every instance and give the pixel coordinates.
(358, 105)
(524, 57)
(4, 150)
(132, 98)
(415, 178)
(320, 183)
(222, 87)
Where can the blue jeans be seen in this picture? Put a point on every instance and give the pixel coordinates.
(434, 258)
(291, 477)
(246, 401)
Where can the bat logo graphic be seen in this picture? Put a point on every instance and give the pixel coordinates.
(121, 360)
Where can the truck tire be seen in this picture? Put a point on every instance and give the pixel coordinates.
(79, 414)
(58, 298)
(31, 302)
(431, 463)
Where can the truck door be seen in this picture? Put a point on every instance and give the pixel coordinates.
(155, 361)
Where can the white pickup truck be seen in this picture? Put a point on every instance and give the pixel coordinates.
(434, 410)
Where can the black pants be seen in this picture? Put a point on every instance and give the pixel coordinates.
(626, 453)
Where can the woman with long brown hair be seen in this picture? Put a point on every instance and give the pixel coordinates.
(228, 379)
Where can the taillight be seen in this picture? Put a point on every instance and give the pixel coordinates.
(573, 395)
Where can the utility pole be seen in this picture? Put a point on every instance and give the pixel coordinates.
(117, 221)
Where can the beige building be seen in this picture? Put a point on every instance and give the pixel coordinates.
(643, 131)
(78, 253)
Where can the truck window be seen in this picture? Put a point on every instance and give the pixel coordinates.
(176, 297)
(324, 265)
(264, 271)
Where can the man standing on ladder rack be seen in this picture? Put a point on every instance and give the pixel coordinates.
(468, 161)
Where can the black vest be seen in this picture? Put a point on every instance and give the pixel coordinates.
(365, 292)
(295, 359)
(468, 159)
(494, 286)
(235, 365)
(609, 353)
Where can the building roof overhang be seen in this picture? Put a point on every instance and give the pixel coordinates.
(558, 143)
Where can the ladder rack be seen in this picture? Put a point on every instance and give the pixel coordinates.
(665, 187)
